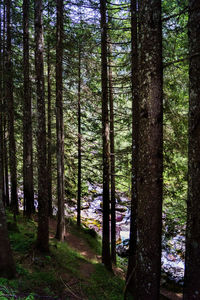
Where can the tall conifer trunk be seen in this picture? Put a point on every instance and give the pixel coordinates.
(5, 154)
(150, 152)
(134, 197)
(79, 139)
(106, 257)
(43, 220)
(112, 160)
(27, 120)
(10, 105)
(2, 189)
(49, 144)
(192, 260)
(59, 122)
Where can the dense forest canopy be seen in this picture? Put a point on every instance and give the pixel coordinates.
(99, 123)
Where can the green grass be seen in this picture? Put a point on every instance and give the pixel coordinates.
(48, 275)
(89, 235)
(104, 285)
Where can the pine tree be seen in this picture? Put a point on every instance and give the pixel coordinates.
(192, 260)
(134, 196)
(59, 122)
(150, 156)
(106, 257)
(10, 105)
(27, 120)
(43, 220)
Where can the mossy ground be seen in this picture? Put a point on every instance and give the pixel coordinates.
(71, 270)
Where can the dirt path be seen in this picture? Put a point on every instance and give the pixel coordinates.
(86, 267)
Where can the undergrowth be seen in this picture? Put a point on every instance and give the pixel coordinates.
(56, 275)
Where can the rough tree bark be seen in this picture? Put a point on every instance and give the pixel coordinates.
(27, 121)
(150, 152)
(2, 189)
(130, 279)
(79, 139)
(43, 220)
(112, 160)
(59, 122)
(49, 134)
(5, 154)
(192, 260)
(10, 107)
(106, 257)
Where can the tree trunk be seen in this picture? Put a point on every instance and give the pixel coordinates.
(192, 260)
(130, 279)
(79, 140)
(43, 224)
(27, 121)
(59, 122)
(49, 162)
(10, 105)
(112, 161)
(1, 117)
(5, 154)
(7, 265)
(106, 257)
(150, 152)
(2, 189)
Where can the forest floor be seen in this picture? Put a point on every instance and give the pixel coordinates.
(72, 270)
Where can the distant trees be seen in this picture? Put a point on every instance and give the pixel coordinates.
(10, 110)
(192, 261)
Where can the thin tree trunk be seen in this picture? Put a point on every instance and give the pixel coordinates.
(130, 279)
(106, 257)
(112, 162)
(49, 163)
(79, 139)
(27, 121)
(150, 152)
(192, 260)
(1, 118)
(43, 220)
(10, 104)
(5, 155)
(59, 122)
